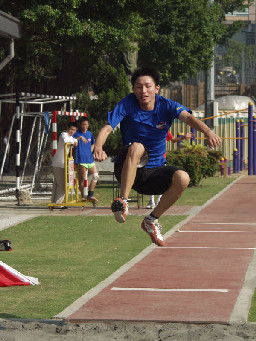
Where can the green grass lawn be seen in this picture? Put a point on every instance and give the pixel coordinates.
(252, 312)
(70, 255)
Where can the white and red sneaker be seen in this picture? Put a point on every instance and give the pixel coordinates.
(120, 209)
(153, 228)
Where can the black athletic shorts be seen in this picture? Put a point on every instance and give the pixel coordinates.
(148, 180)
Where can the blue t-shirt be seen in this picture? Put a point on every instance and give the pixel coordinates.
(83, 150)
(147, 127)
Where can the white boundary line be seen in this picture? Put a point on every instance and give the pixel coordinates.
(206, 247)
(216, 231)
(170, 290)
(243, 302)
(254, 224)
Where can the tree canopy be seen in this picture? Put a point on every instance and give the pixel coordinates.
(63, 39)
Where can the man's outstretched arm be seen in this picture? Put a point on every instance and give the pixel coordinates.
(213, 140)
(98, 153)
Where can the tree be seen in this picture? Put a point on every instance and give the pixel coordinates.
(62, 39)
(110, 86)
(182, 34)
(233, 56)
(241, 58)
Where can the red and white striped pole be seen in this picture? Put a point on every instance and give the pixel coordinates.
(73, 119)
(54, 125)
(86, 183)
(54, 132)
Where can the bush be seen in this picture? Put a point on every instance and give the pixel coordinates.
(196, 160)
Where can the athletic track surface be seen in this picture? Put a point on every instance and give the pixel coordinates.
(205, 272)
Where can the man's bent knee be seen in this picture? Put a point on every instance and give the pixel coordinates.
(136, 150)
(181, 179)
(95, 177)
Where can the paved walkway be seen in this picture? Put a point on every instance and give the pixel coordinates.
(11, 214)
(203, 274)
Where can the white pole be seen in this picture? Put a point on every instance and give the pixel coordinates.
(17, 143)
(28, 150)
(7, 146)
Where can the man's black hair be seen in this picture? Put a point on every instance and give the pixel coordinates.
(72, 124)
(145, 71)
(82, 119)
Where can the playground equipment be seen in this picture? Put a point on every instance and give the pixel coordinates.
(245, 139)
(224, 169)
(71, 182)
(36, 140)
(238, 155)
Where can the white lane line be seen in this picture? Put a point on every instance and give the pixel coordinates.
(216, 231)
(206, 247)
(169, 290)
(198, 222)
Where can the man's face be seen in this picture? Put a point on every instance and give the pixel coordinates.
(71, 130)
(84, 126)
(145, 89)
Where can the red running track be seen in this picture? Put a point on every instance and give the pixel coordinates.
(196, 277)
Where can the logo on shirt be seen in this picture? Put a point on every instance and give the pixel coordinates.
(161, 125)
(89, 140)
(179, 108)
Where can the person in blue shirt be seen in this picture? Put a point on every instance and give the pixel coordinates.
(84, 159)
(145, 118)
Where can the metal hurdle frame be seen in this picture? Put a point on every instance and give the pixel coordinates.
(251, 141)
(238, 152)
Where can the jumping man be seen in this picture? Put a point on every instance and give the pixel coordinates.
(145, 118)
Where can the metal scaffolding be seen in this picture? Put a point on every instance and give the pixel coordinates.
(23, 101)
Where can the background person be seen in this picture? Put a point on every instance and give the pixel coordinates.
(145, 118)
(84, 159)
(58, 190)
(169, 137)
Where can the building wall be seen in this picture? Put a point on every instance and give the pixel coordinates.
(192, 96)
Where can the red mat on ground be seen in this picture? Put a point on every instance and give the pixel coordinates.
(10, 277)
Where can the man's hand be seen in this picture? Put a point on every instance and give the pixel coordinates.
(213, 140)
(99, 154)
(189, 135)
(84, 139)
